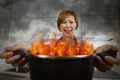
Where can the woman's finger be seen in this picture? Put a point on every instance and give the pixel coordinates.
(13, 59)
(106, 47)
(112, 60)
(17, 47)
(21, 62)
(6, 54)
(101, 65)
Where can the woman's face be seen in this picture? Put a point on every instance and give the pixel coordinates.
(68, 26)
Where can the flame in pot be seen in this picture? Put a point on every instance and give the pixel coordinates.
(56, 48)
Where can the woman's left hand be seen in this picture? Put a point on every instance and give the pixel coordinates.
(102, 65)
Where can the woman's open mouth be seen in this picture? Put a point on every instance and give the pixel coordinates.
(67, 31)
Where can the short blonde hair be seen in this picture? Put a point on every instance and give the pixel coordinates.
(64, 14)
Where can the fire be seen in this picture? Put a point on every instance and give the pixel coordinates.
(56, 48)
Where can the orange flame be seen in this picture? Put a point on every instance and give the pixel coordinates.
(56, 48)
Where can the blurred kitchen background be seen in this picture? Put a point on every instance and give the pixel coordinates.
(22, 21)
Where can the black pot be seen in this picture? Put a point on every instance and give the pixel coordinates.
(61, 68)
(80, 67)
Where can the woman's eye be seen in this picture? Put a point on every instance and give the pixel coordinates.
(71, 22)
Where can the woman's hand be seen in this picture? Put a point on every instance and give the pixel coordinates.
(15, 60)
(102, 65)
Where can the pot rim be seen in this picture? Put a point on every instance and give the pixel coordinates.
(64, 57)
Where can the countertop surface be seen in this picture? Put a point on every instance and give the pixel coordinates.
(23, 74)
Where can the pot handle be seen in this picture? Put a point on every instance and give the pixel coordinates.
(107, 53)
(22, 53)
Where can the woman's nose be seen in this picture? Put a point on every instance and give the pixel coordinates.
(68, 25)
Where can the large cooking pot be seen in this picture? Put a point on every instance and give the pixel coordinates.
(79, 67)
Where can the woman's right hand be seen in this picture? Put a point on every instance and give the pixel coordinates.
(15, 60)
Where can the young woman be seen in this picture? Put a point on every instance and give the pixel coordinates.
(67, 22)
